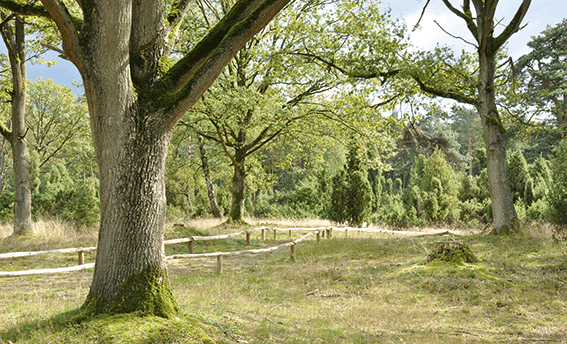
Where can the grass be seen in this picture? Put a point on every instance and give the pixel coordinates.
(360, 289)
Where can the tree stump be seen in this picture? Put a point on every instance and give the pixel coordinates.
(452, 252)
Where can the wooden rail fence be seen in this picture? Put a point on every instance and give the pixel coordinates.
(318, 232)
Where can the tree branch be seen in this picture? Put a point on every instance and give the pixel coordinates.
(188, 79)
(514, 25)
(7, 133)
(384, 75)
(443, 93)
(25, 8)
(69, 32)
(466, 16)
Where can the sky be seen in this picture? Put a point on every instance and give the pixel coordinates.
(540, 14)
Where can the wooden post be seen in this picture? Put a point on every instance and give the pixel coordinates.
(219, 264)
(247, 238)
(290, 233)
(275, 233)
(292, 252)
(323, 233)
(263, 234)
(190, 245)
(330, 232)
(346, 232)
(81, 256)
(318, 236)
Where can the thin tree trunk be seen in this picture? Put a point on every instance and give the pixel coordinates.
(2, 162)
(238, 191)
(217, 211)
(16, 51)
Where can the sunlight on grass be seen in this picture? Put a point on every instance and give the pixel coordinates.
(364, 288)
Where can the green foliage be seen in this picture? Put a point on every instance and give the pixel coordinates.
(59, 128)
(538, 210)
(7, 206)
(517, 170)
(82, 205)
(558, 193)
(541, 73)
(351, 196)
(438, 188)
(480, 159)
(60, 196)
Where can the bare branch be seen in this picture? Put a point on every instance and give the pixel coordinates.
(456, 37)
(421, 16)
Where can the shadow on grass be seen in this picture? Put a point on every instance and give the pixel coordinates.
(74, 327)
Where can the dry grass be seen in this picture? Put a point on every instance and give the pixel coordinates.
(48, 228)
(367, 288)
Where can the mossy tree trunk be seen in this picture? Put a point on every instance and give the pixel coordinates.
(15, 44)
(505, 217)
(135, 100)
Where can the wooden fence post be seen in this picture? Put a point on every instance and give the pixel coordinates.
(190, 245)
(219, 264)
(318, 236)
(247, 238)
(263, 234)
(275, 233)
(290, 233)
(292, 252)
(346, 232)
(81, 256)
(330, 232)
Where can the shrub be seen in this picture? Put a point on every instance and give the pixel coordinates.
(517, 170)
(7, 206)
(438, 188)
(82, 206)
(538, 210)
(351, 196)
(557, 198)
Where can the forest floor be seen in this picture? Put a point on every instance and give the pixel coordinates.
(364, 288)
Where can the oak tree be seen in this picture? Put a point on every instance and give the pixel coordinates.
(136, 96)
(480, 90)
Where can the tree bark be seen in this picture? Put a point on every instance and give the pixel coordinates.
(217, 211)
(505, 217)
(482, 27)
(16, 52)
(135, 100)
(238, 189)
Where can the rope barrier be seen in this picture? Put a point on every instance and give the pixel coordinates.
(313, 231)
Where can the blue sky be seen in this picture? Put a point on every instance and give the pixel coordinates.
(541, 14)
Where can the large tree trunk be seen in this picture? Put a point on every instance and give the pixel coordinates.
(131, 147)
(505, 217)
(135, 99)
(16, 51)
(217, 211)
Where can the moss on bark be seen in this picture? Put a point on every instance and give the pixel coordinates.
(147, 292)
